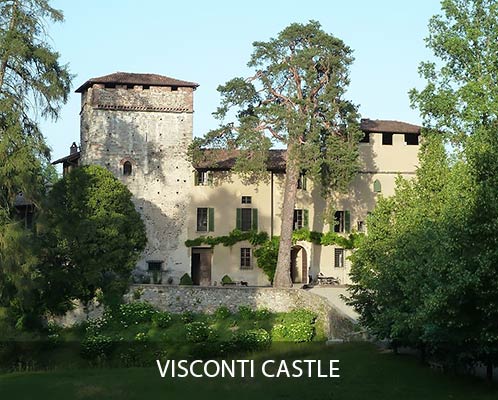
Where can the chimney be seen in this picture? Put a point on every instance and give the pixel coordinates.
(73, 149)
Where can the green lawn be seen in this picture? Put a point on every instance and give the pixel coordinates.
(366, 373)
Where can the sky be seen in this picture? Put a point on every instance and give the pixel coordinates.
(210, 42)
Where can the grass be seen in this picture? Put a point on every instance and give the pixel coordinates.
(366, 373)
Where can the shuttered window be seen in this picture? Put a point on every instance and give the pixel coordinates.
(247, 219)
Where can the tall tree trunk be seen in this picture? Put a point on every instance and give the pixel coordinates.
(282, 274)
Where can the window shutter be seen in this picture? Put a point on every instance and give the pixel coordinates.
(196, 178)
(304, 183)
(238, 222)
(377, 187)
(347, 221)
(211, 219)
(209, 177)
(305, 219)
(254, 219)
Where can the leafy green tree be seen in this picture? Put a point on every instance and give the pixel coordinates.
(32, 84)
(461, 89)
(426, 275)
(295, 98)
(93, 233)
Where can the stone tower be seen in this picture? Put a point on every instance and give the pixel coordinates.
(139, 126)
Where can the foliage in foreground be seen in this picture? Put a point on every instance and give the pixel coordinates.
(427, 274)
(132, 334)
(366, 373)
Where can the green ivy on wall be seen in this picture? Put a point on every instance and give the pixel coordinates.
(257, 239)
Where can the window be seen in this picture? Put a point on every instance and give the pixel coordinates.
(338, 258)
(342, 221)
(154, 265)
(205, 219)
(377, 186)
(246, 199)
(301, 182)
(245, 258)
(300, 219)
(387, 139)
(361, 226)
(365, 138)
(127, 168)
(202, 178)
(411, 139)
(247, 219)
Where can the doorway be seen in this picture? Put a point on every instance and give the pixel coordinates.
(299, 265)
(201, 266)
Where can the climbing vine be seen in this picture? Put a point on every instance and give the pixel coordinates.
(267, 250)
(259, 238)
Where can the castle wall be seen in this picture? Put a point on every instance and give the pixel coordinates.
(151, 129)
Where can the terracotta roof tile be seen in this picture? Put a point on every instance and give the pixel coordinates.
(386, 126)
(225, 160)
(128, 78)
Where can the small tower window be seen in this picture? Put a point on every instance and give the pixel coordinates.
(377, 186)
(127, 168)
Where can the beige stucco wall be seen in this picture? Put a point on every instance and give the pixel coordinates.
(379, 162)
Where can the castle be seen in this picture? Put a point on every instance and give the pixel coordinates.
(139, 126)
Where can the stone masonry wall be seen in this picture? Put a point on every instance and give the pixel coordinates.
(152, 129)
(178, 299)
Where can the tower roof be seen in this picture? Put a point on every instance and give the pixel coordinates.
(388, 126)
(129, 78)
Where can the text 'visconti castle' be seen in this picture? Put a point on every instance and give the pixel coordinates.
(139, 126)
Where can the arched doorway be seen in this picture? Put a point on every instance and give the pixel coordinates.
(299, 265)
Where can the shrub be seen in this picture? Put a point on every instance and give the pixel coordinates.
(300, 315)
(295, 326)
(141, 337)
(250, 340)
(135, 313)
(161, 319)
(222, 313)
(245, 312)
(293, 332)
(186, 280)
(97, 325)
(262, 313)
(187, 316)
(226, 280)
(197, 332)
(96, 346)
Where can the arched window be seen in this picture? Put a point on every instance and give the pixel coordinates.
(127, 168)
(377, 187)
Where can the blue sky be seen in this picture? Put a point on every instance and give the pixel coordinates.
(209, 42)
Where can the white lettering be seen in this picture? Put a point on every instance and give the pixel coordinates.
(181, 366)
(332, 369)
(283, 368)
(229, 368)
(263, 368)
(296, 365)
(192, 368)
(162, 371)
(206, 372)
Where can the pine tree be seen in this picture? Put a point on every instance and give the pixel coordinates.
(295, 98)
